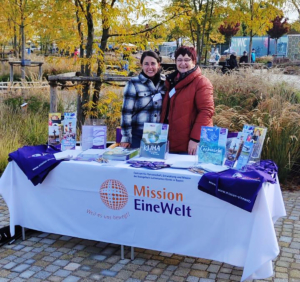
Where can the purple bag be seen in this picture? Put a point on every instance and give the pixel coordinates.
(35, 161)
(237, 188)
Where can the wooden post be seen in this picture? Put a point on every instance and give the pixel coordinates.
(11, 72)
(53, 96)
(40, 71)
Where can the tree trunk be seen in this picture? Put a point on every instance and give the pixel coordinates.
(203, 28)
(80, 115)
(251, 31)
(198, 44)
(84, 99)
(100, 66)
(22, 50)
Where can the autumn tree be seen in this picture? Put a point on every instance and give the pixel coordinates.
(255, 14)
(22, 14)
(202, 18)
(229, 30)
(280, 27)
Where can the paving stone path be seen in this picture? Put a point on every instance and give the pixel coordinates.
(52, 257)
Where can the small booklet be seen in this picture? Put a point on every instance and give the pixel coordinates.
(154, 143)
(69, 132)
(258, 139)
(90, 155)
(235, 149)
(120, 154)
(54, 129)
(212, 145)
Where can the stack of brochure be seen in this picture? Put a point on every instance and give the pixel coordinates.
(120, 154)
(246, 147)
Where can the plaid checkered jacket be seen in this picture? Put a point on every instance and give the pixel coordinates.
(138, 104)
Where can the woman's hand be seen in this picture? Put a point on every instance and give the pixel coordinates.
(125, 145)
(192, 150)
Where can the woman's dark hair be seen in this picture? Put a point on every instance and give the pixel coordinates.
(190, 51)
(150, 54)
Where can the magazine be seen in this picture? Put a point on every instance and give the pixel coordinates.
(212, 145)
(154, 143)
(120, 154)
(69, 132)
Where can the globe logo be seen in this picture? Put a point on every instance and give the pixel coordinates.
(153, 137)
(113, 194)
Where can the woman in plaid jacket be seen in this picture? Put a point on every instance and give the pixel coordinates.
(142, 100)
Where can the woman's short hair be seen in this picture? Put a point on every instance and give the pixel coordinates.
(150, 54)
(185, 50)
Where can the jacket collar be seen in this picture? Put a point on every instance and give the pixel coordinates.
(185, 81)
(144, 79)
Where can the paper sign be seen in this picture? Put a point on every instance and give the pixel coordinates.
(172, 92)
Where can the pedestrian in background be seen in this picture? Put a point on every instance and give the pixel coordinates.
(232, 61)
(215, 57)
(244, 58)
(253, 57)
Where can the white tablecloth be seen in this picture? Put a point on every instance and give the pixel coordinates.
(160, 210)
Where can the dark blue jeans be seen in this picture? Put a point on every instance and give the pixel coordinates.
(136, 138)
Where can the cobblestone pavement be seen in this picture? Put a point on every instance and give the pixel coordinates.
(52, 257)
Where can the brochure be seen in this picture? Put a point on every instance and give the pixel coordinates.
(154, 143)
(54, 119)
(258, 139)
(235, 149)
(69, 132)
(99, 137)
(54, 129)
(94, 136)
(120, 154)
(54, 134)
(212, 145)
(245, 155)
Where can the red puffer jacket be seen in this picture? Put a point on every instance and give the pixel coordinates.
(191, 107)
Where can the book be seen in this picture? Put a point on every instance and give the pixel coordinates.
(69, 132)
(120, 154)
(154, 143)
(212, 145)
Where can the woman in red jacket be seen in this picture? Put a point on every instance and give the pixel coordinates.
(188, 103)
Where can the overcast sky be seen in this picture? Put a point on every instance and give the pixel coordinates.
(158, 5)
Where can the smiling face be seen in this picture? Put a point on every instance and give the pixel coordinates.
(150, 66)
(184, 63)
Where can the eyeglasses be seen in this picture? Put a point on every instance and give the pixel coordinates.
(183, 60)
